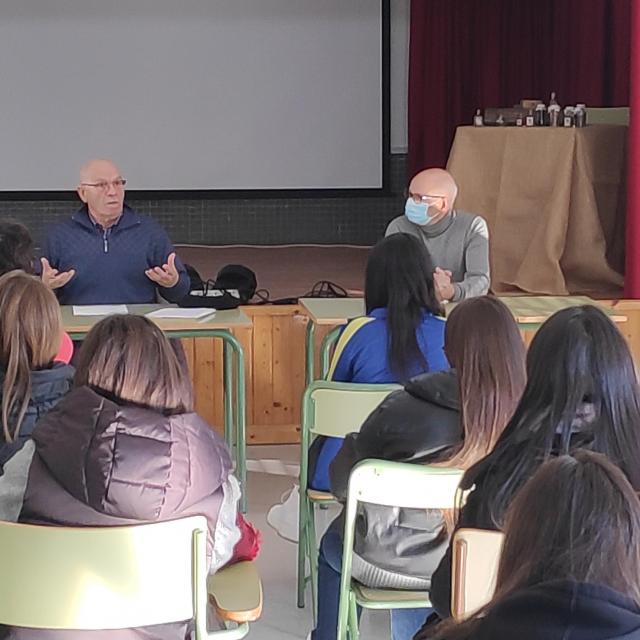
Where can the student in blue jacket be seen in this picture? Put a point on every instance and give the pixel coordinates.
(106, 253)
(401, 336)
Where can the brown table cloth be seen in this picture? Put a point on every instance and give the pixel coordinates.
(554, 200)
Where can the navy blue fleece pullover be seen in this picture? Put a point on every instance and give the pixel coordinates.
(110, 265)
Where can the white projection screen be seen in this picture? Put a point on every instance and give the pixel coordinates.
(193, 94)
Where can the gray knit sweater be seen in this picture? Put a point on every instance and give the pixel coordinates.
(458, 243)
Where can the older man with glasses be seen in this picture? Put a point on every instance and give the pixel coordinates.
(106, 253)
(458, 242)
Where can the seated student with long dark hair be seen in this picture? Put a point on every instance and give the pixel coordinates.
(582, 392)
(570, 566)
(450, 418)
(401, 336)
(17, 252)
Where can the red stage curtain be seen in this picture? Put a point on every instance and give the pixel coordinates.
(469, 54)
(632, 273)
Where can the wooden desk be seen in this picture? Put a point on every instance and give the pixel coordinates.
(532, 311)
(326, 311)
(78, 326)
(219, 326)
(529, 312)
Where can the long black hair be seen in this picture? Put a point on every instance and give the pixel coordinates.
(16, 247)
(577, 518)
(581, 391)
(399, 278)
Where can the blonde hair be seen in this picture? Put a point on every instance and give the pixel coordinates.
(129, 358)
(30, 335)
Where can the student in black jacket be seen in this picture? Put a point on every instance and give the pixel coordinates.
(570, 567)
(581, 392)
(452, 418)
(31, 383)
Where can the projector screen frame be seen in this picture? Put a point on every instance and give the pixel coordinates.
(266, 194)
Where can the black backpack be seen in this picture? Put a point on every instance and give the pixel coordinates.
(234, 285)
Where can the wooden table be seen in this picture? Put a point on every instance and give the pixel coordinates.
(219, 325)
(529, 312)
(554, 200)
(326, 311)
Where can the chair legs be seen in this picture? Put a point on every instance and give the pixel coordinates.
(354, 632)
(303, 546)
(348, 622)
(312, 551)
(307, 552)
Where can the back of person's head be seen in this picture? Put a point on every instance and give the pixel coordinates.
(581, 391)
(399, 277)
(484, 345)
(589, 532)
(129, 359)
(30, 334)
(16, 247)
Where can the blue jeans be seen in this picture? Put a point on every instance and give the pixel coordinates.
(404, 622)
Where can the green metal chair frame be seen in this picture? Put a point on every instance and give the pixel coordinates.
(394, 484)
(91, 578)
(332, 409)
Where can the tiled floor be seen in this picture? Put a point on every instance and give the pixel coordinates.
(281, 619)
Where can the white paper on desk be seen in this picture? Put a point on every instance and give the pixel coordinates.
(99, 309)
(186, 313)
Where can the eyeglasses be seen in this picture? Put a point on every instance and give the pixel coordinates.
(104, 185)
(419, 198)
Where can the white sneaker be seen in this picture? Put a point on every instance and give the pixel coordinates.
(283, 517)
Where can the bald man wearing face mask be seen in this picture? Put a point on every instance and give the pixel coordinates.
(458, 242)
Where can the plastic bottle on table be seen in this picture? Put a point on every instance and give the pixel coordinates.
(540, 115)
(478, 120)
(554, 111)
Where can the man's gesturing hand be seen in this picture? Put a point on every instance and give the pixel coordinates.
(53, 278)
(167, 275)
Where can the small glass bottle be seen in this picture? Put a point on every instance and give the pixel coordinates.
(519, 120)
(567, 117)
(554, 111)
(478, 120)
(580, 116)
(540, 118)
(529, 119)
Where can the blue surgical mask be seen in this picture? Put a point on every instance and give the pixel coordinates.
(418, 213)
